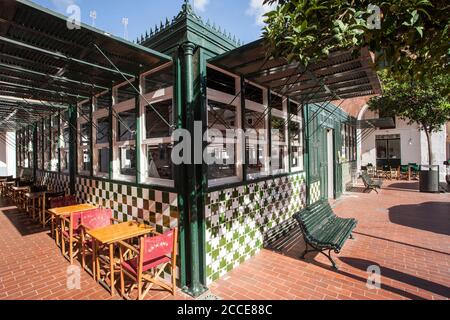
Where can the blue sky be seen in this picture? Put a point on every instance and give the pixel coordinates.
(240, 17)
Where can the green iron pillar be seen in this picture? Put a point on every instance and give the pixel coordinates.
(195, 288)
(72, 148)
(34, 150)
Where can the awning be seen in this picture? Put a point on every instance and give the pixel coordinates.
(339, 77)
(380, 123)
(43, 60)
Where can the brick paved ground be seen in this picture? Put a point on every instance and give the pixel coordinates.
(404, 232)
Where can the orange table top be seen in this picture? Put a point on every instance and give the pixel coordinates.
(64, 211)
(120, 232)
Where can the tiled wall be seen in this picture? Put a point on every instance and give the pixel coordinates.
(314, 192)
(241, 220)
(54, 181)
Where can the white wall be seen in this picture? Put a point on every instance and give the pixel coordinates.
(413, 144)
(8, 154)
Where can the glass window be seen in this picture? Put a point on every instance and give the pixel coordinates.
(220, 81)
(103, 160)
(103, 101)
(381, 146)
(159, 161)
(155, 127)
(127, 160)
(86, 160)
(103, 129)
(85, 109)
(125, 93)
(47, 145)
(221, 150)
(296, 142)
(126, 124)
(256, 144)
(64, 160)
(276, 102)
(84, 134)
(254, 93)
(161, 79)
(278, 143)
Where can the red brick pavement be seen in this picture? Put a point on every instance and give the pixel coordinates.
(404, 232)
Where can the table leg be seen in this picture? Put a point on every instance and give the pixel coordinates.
(33, 209)
(111, 266)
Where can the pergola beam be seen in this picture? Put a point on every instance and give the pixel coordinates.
(58, 55)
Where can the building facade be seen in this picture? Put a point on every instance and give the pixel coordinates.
(114, 149)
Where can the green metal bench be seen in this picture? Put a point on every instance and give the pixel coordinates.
(324, 231)
(371, 184)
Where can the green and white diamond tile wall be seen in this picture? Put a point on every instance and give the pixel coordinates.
(314, 192)
(54, 181)
(242, 220)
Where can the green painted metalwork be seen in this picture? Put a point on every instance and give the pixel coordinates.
(137, 103)
(195, 288)
(72, 148)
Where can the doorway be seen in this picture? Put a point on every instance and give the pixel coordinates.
(388, 149)
(330, 161)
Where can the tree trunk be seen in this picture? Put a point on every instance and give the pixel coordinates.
(430, 147)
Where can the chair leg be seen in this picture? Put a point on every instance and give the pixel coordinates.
(139, 281)
(71, 251)
(352, 237)
(174, 281)
(122, 282)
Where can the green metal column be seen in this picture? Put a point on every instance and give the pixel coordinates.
(195, 288)
(34, 128)
(72, 148)
(137, 105)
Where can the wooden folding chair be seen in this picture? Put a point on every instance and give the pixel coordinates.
(71, 233)
(91, 220)
(151, 258)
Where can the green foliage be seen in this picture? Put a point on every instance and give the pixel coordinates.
(413, 39)
(426, 102)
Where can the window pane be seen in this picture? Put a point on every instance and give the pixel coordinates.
(84, 134)
(64, 160)
(103, 160)
(221, 82)
(296, 142)
(103, 129)
(85, 110)
(159, 162)
(66, 136)
(276, 102)
(128, 161)
(158, 80)
(278, 143)
(255, 125)
(254, 93)
(103, 101)
(155, 127)
(381, 146)
(85, 160)
(394, 149)
(125, 93)
(126, 123)
(221, 117)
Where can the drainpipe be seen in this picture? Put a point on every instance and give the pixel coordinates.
(194, 288)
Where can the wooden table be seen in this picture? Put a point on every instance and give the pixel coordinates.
(58, 213)
(112, 234)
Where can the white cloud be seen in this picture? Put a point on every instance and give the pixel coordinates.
(257, 10)
(200, 5)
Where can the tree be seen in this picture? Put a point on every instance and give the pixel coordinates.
(425, 103)
(413, 38)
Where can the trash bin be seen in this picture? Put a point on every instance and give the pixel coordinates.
(429, 178)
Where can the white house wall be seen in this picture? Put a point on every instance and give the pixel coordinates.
(413, 144)
(7, 154)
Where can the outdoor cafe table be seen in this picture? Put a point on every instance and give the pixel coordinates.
(112, 234)
(57, 213)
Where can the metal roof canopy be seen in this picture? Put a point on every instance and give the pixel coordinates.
(341, 76)
(42, 59)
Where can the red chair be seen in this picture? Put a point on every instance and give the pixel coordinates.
(71, 232)
(150, 260)
(91, 220)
